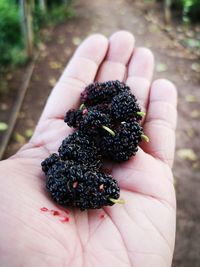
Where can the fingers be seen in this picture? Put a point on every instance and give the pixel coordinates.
(140, 72)
(121, 46)
(161, 120)
(80, 71)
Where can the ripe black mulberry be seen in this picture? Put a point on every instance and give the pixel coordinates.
(124, 106)
(73, 117)
(81, 149)
(48, 162)
(93, 121)
(78, 186)
(98, 93)
(125, 142)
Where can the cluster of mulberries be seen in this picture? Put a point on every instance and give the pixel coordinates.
(107, 125)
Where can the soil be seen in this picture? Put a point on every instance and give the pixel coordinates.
(172, 61)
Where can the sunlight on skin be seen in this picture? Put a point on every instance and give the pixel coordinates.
(139, 233)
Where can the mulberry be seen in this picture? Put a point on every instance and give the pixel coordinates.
(72, 117)
(124, 106)
(78, 186)
(89, 120)
(93, 121)
(125, 142)
(48, 162)
(81, 149)
(98, 93)
(107, 124)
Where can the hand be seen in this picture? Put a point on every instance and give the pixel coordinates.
(139, 233)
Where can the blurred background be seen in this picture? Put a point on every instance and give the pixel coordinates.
(37, 38)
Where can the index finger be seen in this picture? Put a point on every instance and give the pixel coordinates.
(80, 71)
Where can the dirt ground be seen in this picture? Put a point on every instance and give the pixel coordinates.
(172, 61)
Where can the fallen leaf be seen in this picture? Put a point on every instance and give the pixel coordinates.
(29, 133)
(3, 126)
(52, 82)
(190, 33)
(195, 114)
(196, 166)
(187, 154)
(196, 67)
(168, 28)
(191, 98)
(42, 46)
(161, 67)
(20, 138)
(55, 65)
(193, 43)
(190, 132)
(153, 28)
(76, 41)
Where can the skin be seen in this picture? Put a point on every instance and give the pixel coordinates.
(139, 233)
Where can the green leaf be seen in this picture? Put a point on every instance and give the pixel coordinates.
(3, 126)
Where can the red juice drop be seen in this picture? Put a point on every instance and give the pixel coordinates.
(66, 219)
(55, 212)
(102, 216)
(44, 209)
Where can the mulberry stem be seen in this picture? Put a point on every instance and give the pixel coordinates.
(145, 137)
(82, 106)
(108, 130)
(141, 113)
(117, 201)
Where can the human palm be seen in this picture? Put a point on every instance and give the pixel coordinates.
(139, 233)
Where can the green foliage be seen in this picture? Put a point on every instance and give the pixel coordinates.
(10, 32)
(59, 14)
(11, 41)
(190, 9)
(56, 13)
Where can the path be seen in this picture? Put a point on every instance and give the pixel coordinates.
(172, 62)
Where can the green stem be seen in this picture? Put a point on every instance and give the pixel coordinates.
(82, 106)
(145, 138)
(117, 201)
(108, 130)
(141, 113)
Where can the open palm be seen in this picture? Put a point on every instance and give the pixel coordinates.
(139, 233)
